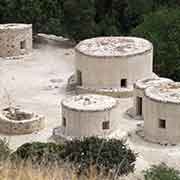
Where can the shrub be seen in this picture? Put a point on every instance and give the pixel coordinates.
(162, 28)
(4, 149)
(161, 172)
(107, 155)
(38, 153)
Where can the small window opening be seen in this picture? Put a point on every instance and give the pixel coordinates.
(124, 83)
(162, 123)
(106, 125)
(23, 44)
(64, 122)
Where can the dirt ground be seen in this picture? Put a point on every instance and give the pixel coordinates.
(39, 83)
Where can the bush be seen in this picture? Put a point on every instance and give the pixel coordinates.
(4, 149)
(161, 172)
(38, 153)
(162, 28)
(107, 155)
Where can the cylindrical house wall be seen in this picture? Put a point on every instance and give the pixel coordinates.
(16, 39)
(98, 121)
(139, 90)
(80, 124)
(161, 115)
(128, 60)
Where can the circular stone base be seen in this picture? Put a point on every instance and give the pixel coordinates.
(59, 135)
(117, 93)
(140, 132)
(18, 127)
(25, 56)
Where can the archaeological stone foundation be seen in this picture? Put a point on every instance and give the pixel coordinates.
(17, 122)
(15, 40)
(107, 65)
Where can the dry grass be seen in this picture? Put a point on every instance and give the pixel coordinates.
(28, 172)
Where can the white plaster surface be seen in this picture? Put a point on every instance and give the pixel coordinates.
(139, 90)
(167, 93)
(162, 103)
(114, 46)
(145, 83)
(29, 84)
(89, 102)
(85, 114)
(104, 70)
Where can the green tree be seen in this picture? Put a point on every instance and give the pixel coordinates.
(45, 15)
(79, 18)
(162, 28)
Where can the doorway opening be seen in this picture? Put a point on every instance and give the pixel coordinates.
(123, 83)
(79, 78)
(23, 44)
(139, 106)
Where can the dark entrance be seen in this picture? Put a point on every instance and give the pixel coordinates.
(79, 78)
(23, 44)
(123, 83)
(139, 106)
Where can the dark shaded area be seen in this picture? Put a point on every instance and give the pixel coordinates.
(162, 28)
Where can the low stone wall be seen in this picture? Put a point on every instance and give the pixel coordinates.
(116, 93)
(12, 127)
(53, 40)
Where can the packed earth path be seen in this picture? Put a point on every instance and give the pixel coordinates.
(38, 84)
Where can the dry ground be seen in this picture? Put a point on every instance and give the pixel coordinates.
(38, 84)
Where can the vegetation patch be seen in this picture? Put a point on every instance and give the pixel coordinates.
(161, 172)
(109, 156)
(105, 155)
(38, 153)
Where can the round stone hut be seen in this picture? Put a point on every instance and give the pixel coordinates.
(15, 40)
(111, 65)
(88, 115)
(162, 113)
(139, 89)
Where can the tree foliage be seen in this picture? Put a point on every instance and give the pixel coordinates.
(162, 28)
(79, 19)
(45, 15)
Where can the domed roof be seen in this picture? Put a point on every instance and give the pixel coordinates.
(89, 102)
(147, 82)
(114, 46)
(168, 93)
